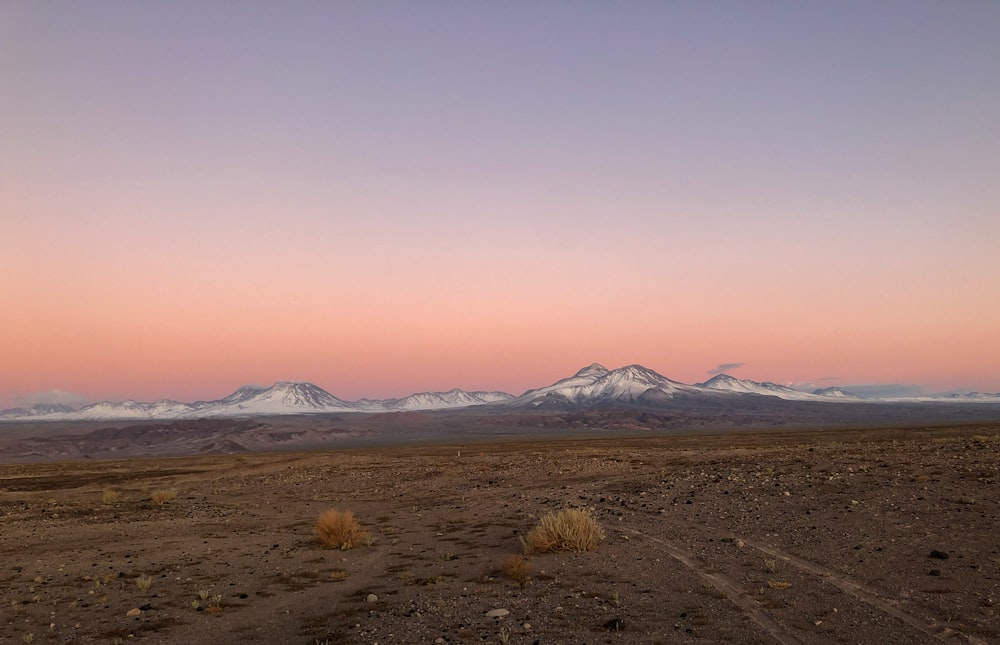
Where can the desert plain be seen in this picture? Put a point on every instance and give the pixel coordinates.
(849, 535)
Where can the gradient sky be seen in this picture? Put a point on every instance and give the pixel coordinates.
(389, 197)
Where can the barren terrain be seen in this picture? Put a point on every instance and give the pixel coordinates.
(849, 535)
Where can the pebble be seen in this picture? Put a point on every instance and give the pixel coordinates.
(372, 598)
(134, 612)
(497, 613)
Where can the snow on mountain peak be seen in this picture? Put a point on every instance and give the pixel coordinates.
(290, 394)
(727, 383)
(594, 369)
(639, 373)
(835, 393)
(595, 384)
(454, 398)
(721, 379)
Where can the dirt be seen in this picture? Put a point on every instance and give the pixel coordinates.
(860, 536)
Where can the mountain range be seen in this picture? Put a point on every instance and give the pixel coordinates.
(594, 386)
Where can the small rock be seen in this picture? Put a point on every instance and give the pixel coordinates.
(497, 613)
(527, 626)
(134, 612)
(938, 555)
(372, 598)
(615, 625)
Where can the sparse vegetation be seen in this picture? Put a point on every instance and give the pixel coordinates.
(242, 544)
(144, 582)
(338, 529)
(162, 496)
(111, 496)
(518, 568)
(214, 605)
(568, 530)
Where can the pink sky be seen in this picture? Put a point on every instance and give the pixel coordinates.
(187, 206)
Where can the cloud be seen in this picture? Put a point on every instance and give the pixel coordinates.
(52, 397)
(722, 368)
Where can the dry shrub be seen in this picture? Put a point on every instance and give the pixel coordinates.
(111, 496)
(517, 568)
(339, 529)
(162, 496)
(214, 605)
(338, 575)
(568, 530)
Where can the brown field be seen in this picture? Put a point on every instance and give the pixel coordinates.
(842, 536)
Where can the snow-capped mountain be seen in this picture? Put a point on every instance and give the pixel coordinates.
(989, 397)
(455, 398)
(163, 409)
(284, 397)
(596, 385)
(835, 393)
(727, 383)
(281, 398)
(37, 410)
(245, 393)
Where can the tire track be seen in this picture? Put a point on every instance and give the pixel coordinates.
(732, 591)
(865, 594)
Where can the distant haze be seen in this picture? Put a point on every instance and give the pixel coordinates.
(384, 198)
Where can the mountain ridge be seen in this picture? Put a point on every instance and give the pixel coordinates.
(593, 386)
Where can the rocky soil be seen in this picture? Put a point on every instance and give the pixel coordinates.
(860, 536)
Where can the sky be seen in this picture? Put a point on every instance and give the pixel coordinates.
(390, 197)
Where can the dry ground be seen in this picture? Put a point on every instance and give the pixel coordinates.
(788, 537)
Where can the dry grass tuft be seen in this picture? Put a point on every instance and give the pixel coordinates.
(338, 574)
(111, 496)
(162, 496)
(144, 582)
(339, 529)
(518, 568)
(569, 530)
